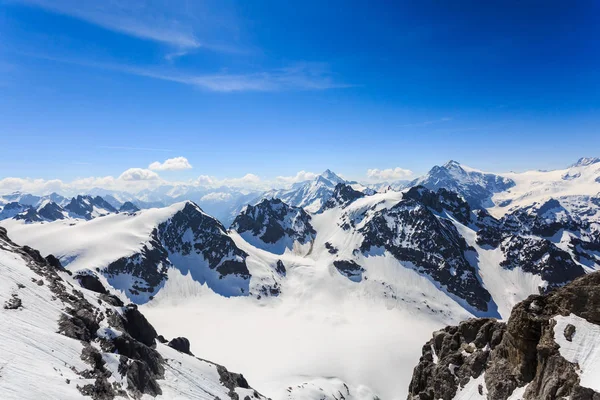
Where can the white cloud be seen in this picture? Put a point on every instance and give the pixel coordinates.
(299, 177)
(172, 164)
(138, 174)
(205, 180)
(216, 196)
(246, 181)
(388, 174)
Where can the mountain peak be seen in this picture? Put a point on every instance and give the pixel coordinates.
(585, 161)
(332, 176)
(450, 164)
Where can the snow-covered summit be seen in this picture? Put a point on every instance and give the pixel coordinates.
(475, 186)
(585, 161)
(312, 194)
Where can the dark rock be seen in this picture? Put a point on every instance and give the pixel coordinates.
(343, 195)
(569, 332)
(138, 326)
(280, 268)
(350, 269)
(13, 303)
(91, 282)
(161, 339)
(181, 344)
(231, 381)
(330, 248)
(111, 299)
(129, 207)
(54, 262)
(272, 219)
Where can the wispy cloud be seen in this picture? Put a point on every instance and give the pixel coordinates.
(300, 76)
(426, 123)
(157, 21)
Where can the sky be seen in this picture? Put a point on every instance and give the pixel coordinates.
(269, 92)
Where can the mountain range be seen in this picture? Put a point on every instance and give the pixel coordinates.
(319, 270)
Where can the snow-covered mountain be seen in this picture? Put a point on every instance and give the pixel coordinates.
(47, 210)
(475, 186)
(133, 252)
(62, 341)
(310, 195)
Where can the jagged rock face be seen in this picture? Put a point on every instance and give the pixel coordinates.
(540, 257)
(411, 232)
(200, 245)
(129, 207)
(148, 268)
(523, 353)
(208, 238)
(51, 212)
(12, 209)
(453, 356)
(440, 201)
(83, 206)
(273, 221)
(342, 196)
(525, 236)
(475, 187)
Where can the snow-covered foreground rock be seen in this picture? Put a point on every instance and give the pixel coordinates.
(61, 341)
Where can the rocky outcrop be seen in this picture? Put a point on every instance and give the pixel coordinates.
(88, 207)
(350, 269)
(342, 196)
(181, 344)
(413, 232)
(274, 222)
(208, 239)
(522, 353)
(526, 236)
(128, 207)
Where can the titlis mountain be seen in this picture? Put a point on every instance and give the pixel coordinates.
(503, 263)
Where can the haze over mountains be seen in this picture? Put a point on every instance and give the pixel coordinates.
(326, 266)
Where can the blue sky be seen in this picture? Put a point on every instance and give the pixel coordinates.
(271, 88)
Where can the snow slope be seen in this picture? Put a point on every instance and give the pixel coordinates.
(583, 349)
(38, 362)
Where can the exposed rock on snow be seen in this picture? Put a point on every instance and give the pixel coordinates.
(411, 232)
(275, 226)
